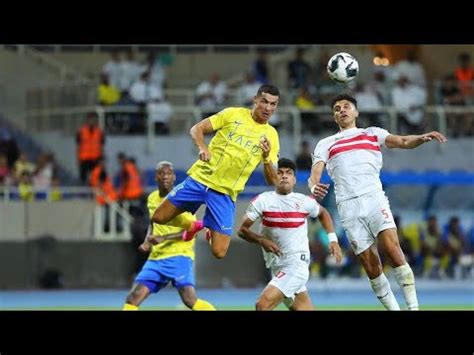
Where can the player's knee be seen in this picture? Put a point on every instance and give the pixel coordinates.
(219, 252)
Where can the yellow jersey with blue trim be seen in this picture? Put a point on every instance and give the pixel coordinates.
(168, 248)
(235, 151)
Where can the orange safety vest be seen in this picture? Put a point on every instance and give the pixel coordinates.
(106, 188)
(90, 143)
(132, 188)
(466, 80)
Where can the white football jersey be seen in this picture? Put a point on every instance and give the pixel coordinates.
(353, 160)
(284, 220)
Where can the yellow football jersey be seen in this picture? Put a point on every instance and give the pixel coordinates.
(235, 151)
(173, 247)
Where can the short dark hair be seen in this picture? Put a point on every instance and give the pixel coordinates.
(269, 89)
(287, 163)
(343, 97)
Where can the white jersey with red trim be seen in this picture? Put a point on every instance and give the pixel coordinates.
(353, 160)
(284, 220)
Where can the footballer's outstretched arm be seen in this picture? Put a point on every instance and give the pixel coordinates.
(252, 237)
(328, 225)
(412, 141)
(317, 189)
(197, 134)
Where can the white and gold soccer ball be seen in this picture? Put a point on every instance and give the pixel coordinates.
(343, 67)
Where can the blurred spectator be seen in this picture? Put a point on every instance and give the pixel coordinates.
(105, 192)
(4, 170)
(246, 92)
(21, 165)
(130, 71)
(304, 160)
(160, 112)
(25, 187)
(305, 101)
(8, 147)
(465, 75)
(382, 86)
(113, 69)
(101, 182)
(45, 169)
(211, 95)
(412, 69)
(130, 183)
(431, 247)
(299, 71)
(459, 124)
(54, 192)
(405, 244)
(90, 145)
(151, 99)
(156, 70)
(409, 101)
(143, 90)
(321, 68)
(454, 243)
(260, 67)
(368, 101)
(107, 93)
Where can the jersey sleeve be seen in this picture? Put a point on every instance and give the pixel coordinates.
(220, 119)
(255, 208)
(312, 207)
(321, 153)
(380, 133)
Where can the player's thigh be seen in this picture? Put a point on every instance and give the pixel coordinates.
(354, 223)
(291, 279)
(270, 297)
(380, 216)
(220, 212)
(302, 302)
(153, 275)
(390, 246)
(186, 196)
(166, 211)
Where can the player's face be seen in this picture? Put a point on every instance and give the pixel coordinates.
(286, 180)
(165, 177)
(345, 114)
(264, 107)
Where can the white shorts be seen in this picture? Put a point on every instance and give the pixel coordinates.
(364, 217)
(292, 275)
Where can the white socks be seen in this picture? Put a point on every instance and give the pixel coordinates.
(406, 280)
(384, 293)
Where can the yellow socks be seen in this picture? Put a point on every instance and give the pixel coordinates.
(202, 305)
(130, 307)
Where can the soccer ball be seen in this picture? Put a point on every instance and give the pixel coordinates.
(343, 67)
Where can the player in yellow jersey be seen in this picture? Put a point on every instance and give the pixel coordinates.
(171, 258)
(242, 141)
